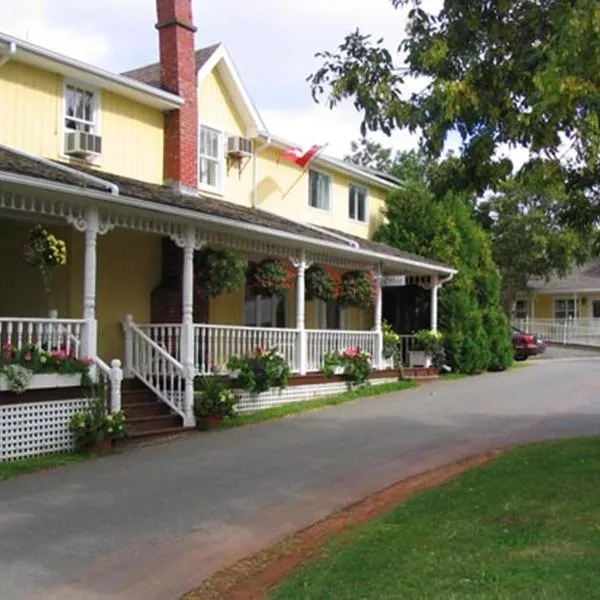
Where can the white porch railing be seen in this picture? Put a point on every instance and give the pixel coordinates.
(321, 341)
(214, 345)
(156, 368)
(585, 332)
(166, 335)
(109, 380)
(50, 334)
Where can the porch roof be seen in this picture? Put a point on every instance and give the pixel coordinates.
(16, 162)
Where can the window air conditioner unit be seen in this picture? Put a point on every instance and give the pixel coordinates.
(82, 144)
(238, 146)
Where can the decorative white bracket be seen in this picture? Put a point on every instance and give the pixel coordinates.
(188, 236)
(83, 223)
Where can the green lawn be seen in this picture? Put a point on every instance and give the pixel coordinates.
(526, 526)
(297, 407)
(30, 465)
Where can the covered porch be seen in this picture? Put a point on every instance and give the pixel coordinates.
(116, 233)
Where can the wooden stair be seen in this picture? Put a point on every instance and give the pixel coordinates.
(146, 416)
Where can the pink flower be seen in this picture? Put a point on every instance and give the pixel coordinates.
(27, 356)
(86, 360)
(59, 354)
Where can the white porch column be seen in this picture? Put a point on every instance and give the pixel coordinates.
(89, 346)
(187, 321)
(435, 286)
(378, 358)
(301, 346)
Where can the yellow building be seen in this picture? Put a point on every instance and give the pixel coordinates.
(138, 180)
(575, 296)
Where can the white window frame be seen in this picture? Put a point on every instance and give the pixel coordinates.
(258, 301)
(222, 172)
(329, 208)
(519, 314)
(571, 310)
(321, 316)
(97, 100)
(365, 191)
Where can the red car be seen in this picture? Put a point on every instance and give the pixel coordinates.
(526, 345)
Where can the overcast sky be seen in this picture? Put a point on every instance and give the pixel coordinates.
(272, 43)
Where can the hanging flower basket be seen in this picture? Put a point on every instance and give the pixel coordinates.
(271, 276)
(357, 289)
(219, 271)
(320, 285)
(45, 252)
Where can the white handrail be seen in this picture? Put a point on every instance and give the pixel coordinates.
(156, 368)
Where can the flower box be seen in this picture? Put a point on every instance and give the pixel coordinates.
(47, 381)
(419, 358)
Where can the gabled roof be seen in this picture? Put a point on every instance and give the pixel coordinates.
(584, 278)
(207, 59)
(150, 74)
(21, 51)
(230, 214)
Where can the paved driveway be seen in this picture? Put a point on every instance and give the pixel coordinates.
(154, 522)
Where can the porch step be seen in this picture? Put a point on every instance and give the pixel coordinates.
(152, 408)
(146, 415)
(139, 438)
(153, 423)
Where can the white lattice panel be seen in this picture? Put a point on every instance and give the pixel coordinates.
(297, 393)
(36, 428)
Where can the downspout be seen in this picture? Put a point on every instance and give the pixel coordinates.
(446, 279)
(12, 50)
(256, 152)
(113, 189)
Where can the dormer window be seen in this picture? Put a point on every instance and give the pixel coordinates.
(211, 161)
(81, 109)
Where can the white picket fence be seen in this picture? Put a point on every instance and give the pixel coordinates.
(581, 332)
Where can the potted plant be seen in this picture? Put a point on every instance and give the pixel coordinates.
(355, 364)
(391, 345)
(219, 271)
(270, 277)
(263, 370)
(320, 285)
(427, 349)
(357, 289)
(94, 429)
(45, 252)
(213, 402)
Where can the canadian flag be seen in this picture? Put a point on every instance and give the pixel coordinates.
(302, 157)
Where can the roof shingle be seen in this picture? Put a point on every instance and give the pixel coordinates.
(583, 277)
(150, 74)
(15, 162)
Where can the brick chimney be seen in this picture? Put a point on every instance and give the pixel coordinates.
(178, 75)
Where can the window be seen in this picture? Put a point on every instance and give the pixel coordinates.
(521, 309)
(330, 315)
(211, 157)
(81, 109)
(357, 203)
(319, 186)
(264, 311)
(596, 309)
(566, 308)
